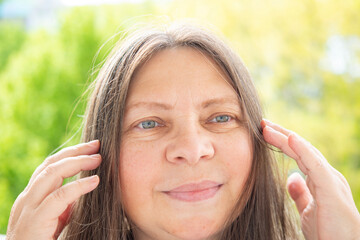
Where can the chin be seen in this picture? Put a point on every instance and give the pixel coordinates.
(196, 229)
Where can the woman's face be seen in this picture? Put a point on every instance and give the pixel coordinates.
(185, 153)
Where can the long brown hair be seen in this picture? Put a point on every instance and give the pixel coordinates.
(263, 210)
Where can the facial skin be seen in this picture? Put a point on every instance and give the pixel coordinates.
(182, 126)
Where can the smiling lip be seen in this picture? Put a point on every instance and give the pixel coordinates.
(195, 191)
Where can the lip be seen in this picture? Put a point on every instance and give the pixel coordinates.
(194, 192)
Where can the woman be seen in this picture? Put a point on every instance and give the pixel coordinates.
(184, 154)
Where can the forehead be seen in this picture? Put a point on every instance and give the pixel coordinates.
(177, 74)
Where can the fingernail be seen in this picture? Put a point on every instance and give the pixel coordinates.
(263, 124)
(93, 142)
(95, 156)
(266, 120)
(295, 175)
(295, 136)
(93, 179)
(293, 190)
(270, 128)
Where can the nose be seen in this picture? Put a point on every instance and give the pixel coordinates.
(190, 144)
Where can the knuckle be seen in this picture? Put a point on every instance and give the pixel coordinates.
(78, 184)
(49, 170)
(342, 179)
(319, 164)
(39, 168)
(21, 198)
(37, 171)
(49, 160)
(75, 148)
(77, 158)
(59, 194)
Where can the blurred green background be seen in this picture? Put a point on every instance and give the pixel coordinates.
(304, 57)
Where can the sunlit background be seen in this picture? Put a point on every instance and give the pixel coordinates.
(304, 57)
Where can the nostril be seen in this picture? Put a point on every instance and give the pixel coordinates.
(189, 147)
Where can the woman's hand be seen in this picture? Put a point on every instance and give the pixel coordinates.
(41, 211)
(324, 201)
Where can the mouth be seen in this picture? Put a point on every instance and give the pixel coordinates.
(194, 192)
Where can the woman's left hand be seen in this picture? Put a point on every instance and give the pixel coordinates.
(325, 203)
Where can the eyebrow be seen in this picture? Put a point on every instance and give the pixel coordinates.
(218, 101)
(143, 104)
(165, 106)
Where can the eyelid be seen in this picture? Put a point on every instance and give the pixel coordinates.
(161, 123)
(232, 117)
(138, 123)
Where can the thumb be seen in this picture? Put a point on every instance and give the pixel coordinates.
(299, 191)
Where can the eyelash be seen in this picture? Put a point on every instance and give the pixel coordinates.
(223, 115)
(140, 125)
(157, 124)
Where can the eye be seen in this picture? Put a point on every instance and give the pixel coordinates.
(148, 124)
(221, 119)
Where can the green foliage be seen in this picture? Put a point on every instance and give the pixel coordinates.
(43, 75)
(12, 37)
(41, 82)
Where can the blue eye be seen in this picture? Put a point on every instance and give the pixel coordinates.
(221, 119)
(148, 124)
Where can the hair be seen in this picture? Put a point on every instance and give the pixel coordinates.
(263, 210)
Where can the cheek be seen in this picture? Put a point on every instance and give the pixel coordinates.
(139, 163)
(236, 149)
(237, 145)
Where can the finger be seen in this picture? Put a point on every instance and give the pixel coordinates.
(88, 148)
(91, 147)
(315, 165)
(282, 141)
(299, 191)
(57, 202)
(275, 126)
(279, 140)
(52, 177)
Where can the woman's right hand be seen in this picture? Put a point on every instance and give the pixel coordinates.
(41, 211)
